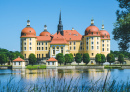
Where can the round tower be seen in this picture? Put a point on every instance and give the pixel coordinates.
(92, 40)
(27, 40)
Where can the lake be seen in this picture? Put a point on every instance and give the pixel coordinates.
(24, 79)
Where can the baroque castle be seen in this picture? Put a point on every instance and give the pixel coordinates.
(64, 41)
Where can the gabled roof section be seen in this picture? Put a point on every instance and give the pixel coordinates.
(72, 35)
(18, 59)
(43, 38)
(58, 39)
(52, 59)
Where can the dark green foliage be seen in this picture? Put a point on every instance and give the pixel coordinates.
(60, 58)
(98, 58)
(121, 29)
(32, 59)
(121, 58)
(86, 58)
(116, 53)
(78, 58)
(3, 59)
(110, 58)
(103, 59)
(72, 58)
(67, 58)
(13, 56)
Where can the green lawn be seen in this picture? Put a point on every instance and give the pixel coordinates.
(36, 67)
(112, 67)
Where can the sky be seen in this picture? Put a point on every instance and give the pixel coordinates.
(74, 13)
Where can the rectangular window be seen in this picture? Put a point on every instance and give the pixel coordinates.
(25, 43)
(102, 45)
(74, 47)
(39, 55)
(87, 47)
(87, 43)
(92, 38)
(19, 63)
(70, 48)
(52, 63)
(46, 43)
(42, 43)
(48, 63)
(92, 54)
(74, 43)
(46, 48)
(97, 38)
(25, 55)
(80, 47)
(107, 49)
(30, 39)
(92, 47)
(87, 38)
(30, 48)
(97, 47)
(39, 48)
(39, 43)
(70, 43)
(107, 45)
(102, 49)
(42, 48)
(92, 42)
(42, 55)
(107, 40)
(103, 41)
(30, 43)
(80, 43)
(14, 63)
(24, 48)
(97, 42)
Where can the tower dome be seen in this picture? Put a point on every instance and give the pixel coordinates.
(104, 34)
(45, 32)
(28, 31)
(92, 30)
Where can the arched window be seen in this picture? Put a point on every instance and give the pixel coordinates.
(53, 50)
(61, 49)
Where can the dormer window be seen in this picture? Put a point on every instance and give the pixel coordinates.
(97, 33)
(30, 31)
(103, 37)
(92, 33)
(24, 34)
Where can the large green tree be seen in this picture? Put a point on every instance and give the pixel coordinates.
(86, 58)
(98, 58)
(72, 58)
(60, 58)
(67, 58)
(13, 56)
(103, 59)
(121, 58)
(78, 58)
(121, 29)
(32, 59)
(110, 58)
(3, 59)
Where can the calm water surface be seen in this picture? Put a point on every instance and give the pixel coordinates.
(29, 77)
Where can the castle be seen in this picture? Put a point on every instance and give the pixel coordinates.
(64, 41)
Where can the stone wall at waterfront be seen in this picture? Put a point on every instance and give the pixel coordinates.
(80, 67)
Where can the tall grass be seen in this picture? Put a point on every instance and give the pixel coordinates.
(54, 84)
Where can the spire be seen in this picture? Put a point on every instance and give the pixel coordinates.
(92, 22)
(45, 28)
(28, 23)
(103, 26)
(60, 26)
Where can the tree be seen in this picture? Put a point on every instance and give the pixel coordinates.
(13, 56)
(67, 58)
(71, 57)
(60, 58)
(110, 58)
(103, 59)
(121, 29)
(32, 59)
(3, 59)
(98, 58)
(86, 58)
(78, 58)
(121, 58)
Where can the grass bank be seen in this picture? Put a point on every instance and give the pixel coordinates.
(36, 67)
(112, 67)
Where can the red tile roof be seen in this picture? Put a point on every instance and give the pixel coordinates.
(18, 59)
(58, 39)
(43, 38)
(52, 59)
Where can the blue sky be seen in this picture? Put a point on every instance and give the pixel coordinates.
(75, 13)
